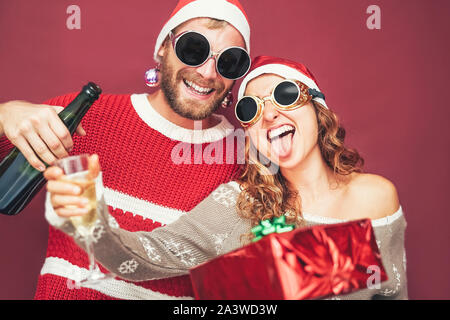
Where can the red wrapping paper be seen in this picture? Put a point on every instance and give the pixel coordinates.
(305, 263)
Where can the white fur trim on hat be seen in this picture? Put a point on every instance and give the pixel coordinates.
(283, 71)
(217, 9)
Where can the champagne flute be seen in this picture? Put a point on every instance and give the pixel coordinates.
(76, 170)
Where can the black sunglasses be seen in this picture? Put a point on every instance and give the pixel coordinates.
(286, 95)
(193, 49)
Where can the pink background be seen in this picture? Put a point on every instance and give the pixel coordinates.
(388, 86)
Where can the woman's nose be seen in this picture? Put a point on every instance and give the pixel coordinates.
(270, 113)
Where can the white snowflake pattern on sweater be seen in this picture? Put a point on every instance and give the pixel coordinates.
(151, 251)
(179, 251)
(128, 266)
(98, 231)
(224, 195)
(219, 238)
(393, 291)
(378, 244)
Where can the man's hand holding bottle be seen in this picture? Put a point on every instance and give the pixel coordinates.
(37, 131)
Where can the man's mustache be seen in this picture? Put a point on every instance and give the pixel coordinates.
(200, 80)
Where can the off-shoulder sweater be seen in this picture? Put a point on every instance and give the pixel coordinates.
(211, 229)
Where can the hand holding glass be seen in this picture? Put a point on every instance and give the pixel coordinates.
(74, 196)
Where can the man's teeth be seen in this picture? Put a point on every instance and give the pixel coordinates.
(280, 131)
(198, 89)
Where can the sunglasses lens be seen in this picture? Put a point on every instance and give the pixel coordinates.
(246, 109)
(233, 63)
(192, 48)
(286, 93)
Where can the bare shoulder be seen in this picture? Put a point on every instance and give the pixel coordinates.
(372, 196)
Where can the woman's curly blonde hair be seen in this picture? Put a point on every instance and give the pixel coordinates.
(266, 195)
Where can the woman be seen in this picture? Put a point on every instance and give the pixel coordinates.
(297, 165)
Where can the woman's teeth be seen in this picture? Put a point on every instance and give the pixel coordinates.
(197, 89)
(281, 140)
(280, 132)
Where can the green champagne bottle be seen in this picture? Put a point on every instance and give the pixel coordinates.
(19, 181)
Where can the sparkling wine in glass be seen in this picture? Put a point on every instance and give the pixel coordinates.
(76, 170)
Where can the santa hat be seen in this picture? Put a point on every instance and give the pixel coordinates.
(228, 10)
(284, 68)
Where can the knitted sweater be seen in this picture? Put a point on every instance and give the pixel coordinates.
(213, 228)
(147, 185)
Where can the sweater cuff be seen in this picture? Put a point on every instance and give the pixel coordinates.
(50, 214)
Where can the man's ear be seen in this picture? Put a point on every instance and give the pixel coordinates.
(162, 49)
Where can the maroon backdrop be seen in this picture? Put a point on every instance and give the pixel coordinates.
(387, 85)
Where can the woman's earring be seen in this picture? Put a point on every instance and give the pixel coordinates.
(152, 77)
(228, 100)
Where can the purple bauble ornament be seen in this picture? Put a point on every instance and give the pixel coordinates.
(228, 100)
(151, 77)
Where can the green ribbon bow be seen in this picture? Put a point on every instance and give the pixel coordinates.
(265, 227)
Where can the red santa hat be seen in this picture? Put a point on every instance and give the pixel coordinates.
(283, 68)
(228, 10)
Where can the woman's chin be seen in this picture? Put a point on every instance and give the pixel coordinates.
(290, 162)
(285, 163)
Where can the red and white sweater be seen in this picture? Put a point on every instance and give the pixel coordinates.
(144, 188)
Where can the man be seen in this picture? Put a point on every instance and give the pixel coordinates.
(135, 135)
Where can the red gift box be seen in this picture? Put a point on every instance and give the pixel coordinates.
(305, 263)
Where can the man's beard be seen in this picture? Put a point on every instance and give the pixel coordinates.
(189, 108)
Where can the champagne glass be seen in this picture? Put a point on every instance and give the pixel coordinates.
(76, 170)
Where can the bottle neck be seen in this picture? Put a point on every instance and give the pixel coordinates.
(75, 111)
